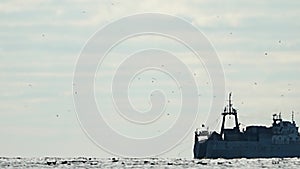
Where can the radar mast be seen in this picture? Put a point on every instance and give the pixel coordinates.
(230, 111)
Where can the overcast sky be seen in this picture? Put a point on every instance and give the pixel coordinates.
(258, 44)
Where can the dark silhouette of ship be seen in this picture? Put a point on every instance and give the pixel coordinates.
(279, 140)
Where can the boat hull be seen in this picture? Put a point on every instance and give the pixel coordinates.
(244, 149)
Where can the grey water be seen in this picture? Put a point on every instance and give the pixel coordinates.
(82, 162)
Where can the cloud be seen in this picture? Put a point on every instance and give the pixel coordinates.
(257, 42)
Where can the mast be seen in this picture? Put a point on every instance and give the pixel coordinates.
(230, 111)
(293, 117)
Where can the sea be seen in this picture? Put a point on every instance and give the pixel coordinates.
(84, 163)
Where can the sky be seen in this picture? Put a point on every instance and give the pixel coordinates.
(257, 43)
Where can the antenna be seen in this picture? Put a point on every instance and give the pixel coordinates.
(293, 116)
(230, 104)
(279, 115)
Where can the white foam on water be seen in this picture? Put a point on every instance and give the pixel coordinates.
(83, 162)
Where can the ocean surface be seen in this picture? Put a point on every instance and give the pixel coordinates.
(52, 162)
